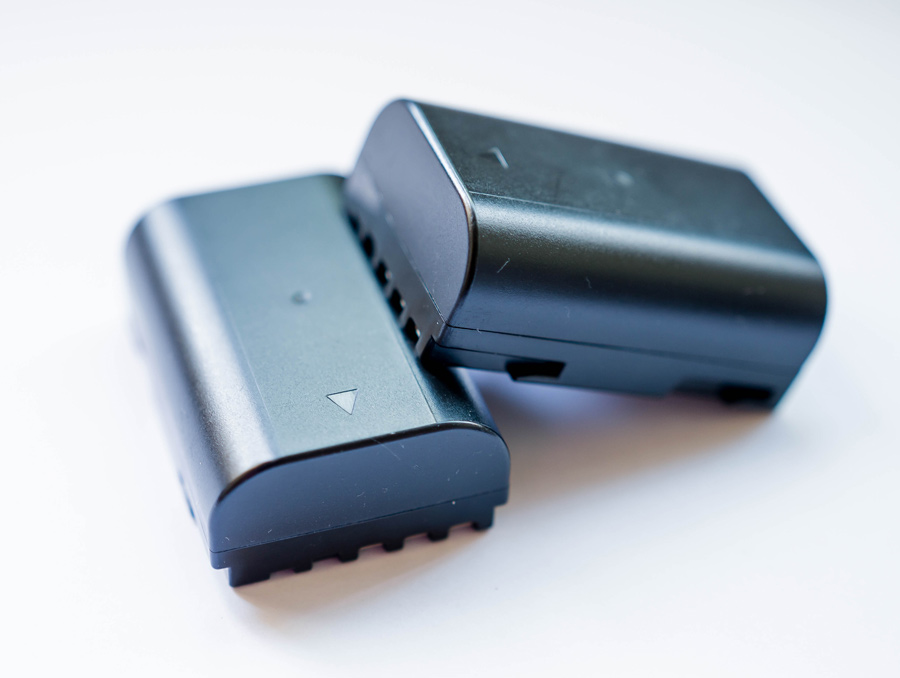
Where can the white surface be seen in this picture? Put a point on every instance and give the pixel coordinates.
(666, 538)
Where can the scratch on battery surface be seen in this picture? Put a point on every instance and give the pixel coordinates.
(396, 456)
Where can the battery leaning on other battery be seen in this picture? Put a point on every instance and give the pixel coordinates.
(305, 426)
(570, 260)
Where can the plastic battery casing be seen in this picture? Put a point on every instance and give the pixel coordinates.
(565, 259)
(304, 425)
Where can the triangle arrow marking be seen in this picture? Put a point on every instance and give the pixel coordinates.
(346, 400)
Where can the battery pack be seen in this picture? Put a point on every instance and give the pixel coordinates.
(305, 426)
(563, 259)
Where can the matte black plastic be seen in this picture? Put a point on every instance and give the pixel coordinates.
(306, 427)
(570, 260)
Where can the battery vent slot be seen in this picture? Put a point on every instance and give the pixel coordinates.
(526, 369)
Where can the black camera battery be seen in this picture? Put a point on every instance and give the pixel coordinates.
(563, 259)
(305, 426)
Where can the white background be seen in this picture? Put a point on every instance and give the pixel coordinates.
(672, 537)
